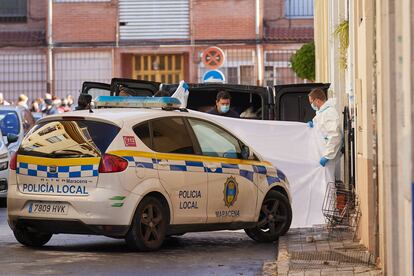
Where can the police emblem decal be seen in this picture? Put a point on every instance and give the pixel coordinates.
(231, 190)
(53, 169)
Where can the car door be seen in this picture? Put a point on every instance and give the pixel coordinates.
(134, 87)
(232, 193)
(181, 173)
(291, 101)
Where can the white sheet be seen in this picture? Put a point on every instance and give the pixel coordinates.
(295, 149)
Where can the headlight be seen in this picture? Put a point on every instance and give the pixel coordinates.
(4, 165)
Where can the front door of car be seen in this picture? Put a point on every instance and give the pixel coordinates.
(180, 172)
(232, 193)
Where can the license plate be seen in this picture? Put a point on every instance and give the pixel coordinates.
(48, 208)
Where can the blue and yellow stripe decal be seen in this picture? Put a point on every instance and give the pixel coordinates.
(57, 167)
(197, 163)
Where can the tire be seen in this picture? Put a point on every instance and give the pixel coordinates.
(274, 219)
(31, 238)
(149, 225)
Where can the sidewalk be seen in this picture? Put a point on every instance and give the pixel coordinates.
(315, 251)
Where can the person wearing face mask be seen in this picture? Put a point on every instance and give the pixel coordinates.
(222, 106)
(327, 122)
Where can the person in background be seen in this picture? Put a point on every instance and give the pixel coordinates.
(50, 108)
(64, 107)
(327, 122)
(70, 100)
(222, 106)
(35, 107)
(22, 101)
(2, 100)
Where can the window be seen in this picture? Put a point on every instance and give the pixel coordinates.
(13, 10)
(299, 8)
(143, 133)
(9, 122)
(215, 141)
(170, 136)
(69, 141)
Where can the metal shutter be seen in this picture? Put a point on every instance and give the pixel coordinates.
(73, 68)
(161, 19)
(23, 72)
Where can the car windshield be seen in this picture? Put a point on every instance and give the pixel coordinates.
(9, 122)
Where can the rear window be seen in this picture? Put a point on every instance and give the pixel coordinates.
(9, 122)
(69, 139)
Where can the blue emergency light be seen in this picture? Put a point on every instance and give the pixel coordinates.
(137, 102)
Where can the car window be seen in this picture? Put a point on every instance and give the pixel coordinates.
(69, 139)
(143, 133)
(170, 135)
(215, 141)
(9, 122)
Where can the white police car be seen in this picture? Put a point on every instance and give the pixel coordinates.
(141, 174)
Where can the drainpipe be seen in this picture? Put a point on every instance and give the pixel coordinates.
(259, 46)
(50, 48)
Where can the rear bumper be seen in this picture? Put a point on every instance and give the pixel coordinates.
(68, 227)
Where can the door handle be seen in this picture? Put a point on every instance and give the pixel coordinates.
(163, 163)
(212, 166)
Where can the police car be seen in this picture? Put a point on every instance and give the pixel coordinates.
(142, 169)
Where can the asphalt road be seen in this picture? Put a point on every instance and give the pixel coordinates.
(209, 253)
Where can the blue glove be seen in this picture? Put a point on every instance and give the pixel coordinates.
(310, 124)
(323, 161)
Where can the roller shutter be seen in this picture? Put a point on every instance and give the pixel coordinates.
(161, 19)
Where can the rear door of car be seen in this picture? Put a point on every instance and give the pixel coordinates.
(61, 157)
(254, 99)
(134, 87)
(291, 101)
(96, 89)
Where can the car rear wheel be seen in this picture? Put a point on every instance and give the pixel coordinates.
(31, 238)
(274, 219)
(149, 225)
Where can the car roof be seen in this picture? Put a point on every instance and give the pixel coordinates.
(12, 107)
(117, 115)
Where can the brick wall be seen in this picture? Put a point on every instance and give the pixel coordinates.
(84, 22)
(274, 16)
(36, 18)
(218, 19)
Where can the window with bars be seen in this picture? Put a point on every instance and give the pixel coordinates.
(299, 8)
(13, 10)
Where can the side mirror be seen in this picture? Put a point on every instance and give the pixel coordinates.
(246, 153)
(12, 138)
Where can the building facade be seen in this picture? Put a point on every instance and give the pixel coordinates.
(377, 87)
(162, 41)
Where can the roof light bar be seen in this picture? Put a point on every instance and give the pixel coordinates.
(137, 102)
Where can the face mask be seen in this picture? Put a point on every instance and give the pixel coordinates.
(314, 107)
(224, 108)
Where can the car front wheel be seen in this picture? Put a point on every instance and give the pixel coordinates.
(149, 225)
(274, 219)
(31, 238)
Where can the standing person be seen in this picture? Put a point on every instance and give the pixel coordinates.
(50, 108)
(22, 101)
(327, 122)
(2, 100)
(222, 106)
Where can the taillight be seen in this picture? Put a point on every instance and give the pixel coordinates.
(13, 161)
(112, 163)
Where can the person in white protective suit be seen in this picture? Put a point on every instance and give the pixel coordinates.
(328, 124)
